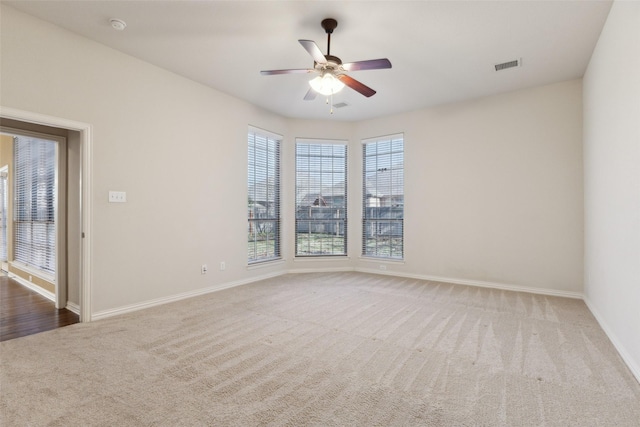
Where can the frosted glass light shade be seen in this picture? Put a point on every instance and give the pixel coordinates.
(327, 85)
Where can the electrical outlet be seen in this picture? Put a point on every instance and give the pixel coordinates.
(117, 196)
(203, 269)
(383, 267)
(223, 265)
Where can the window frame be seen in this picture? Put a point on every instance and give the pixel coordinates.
(4, 212)
(374, 218)
(338, 224)
(58, 198)
(273, 217)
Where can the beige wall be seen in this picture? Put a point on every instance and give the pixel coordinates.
(493, 186)
(612, 180)
(6, 150)
(182, 163)
(493, 189)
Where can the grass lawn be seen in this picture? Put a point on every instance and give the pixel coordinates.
(324, 244)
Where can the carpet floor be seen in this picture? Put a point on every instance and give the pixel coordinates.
(333, 349)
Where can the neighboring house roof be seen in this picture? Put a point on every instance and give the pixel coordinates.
(326, 193)
(381, 184)
(321, 199)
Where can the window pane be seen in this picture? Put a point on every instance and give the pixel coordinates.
(383, 198)
(34, 206)
(263, 201)
(321, 202)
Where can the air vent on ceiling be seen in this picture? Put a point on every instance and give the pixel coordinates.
(340, 105)
(509, 64)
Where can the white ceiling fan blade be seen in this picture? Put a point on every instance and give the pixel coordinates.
(313, 49)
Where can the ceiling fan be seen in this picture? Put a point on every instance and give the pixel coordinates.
(331, 71)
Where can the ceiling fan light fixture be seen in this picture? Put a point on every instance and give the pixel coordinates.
(327, 84)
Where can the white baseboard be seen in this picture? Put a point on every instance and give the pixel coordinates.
(632, 364)
(73, 307)
(165, 300)
(477, 283)
(45, 293)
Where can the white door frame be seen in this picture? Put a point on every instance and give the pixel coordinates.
(86, 143)
(60, 211)
(4, 171)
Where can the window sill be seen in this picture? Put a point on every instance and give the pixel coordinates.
(321, 258)
(34, 272)
(380, 259)
(265, 264)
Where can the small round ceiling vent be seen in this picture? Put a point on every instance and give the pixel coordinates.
(118, 24)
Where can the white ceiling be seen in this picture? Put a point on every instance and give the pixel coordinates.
(441, 51)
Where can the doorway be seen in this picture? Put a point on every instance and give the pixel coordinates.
(36, 212)
(75, 239)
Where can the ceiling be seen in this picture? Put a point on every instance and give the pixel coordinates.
(441, 51)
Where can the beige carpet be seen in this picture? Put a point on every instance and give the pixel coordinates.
(337, 349)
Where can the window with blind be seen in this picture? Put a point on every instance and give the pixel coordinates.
(263, 202)
(35, 203)
(383, 197)
(321, 198)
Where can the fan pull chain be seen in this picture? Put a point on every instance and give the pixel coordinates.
(330, 97)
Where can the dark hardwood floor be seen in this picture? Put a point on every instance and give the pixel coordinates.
(25, 312)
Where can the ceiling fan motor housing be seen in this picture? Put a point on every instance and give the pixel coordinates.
(333, 60)
(329, 25)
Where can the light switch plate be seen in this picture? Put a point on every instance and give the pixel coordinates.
(117, 196)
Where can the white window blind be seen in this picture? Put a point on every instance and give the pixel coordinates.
(35, 203)
(321, 198)
(383, 197)
(263, 202)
